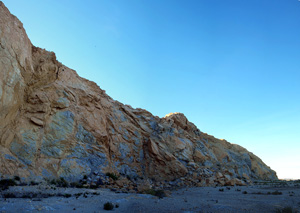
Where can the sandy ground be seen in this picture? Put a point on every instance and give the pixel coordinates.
(204, 199)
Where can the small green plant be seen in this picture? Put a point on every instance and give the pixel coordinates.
(108, 206)
(221, 190)
(112, 176)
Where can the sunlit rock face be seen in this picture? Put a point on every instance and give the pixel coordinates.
(54, 123)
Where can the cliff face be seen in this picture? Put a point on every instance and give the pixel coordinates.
(54, 123)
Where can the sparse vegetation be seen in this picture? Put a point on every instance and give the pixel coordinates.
(221, 190)
(76, 185)
(9, 195)
(108, 206)
(33, 183)
(112, 176)
(17, 178)
(276, 193)
(6, 183)
(158, 193)
(67, 195)
(96, 193)
(61, 182)
(257, 193)
(245, 192)
(287, 209)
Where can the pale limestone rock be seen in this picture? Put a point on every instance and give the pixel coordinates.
(37, 121)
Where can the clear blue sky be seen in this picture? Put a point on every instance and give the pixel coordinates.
(232, 67)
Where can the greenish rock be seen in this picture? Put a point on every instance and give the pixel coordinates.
(78, 152)
(62, 103)
(47, 174)
(85, 136)
(25, 149)
(62, 125)
(124, 150)
(73, 169)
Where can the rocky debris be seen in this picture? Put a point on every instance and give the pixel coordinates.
(55, 124)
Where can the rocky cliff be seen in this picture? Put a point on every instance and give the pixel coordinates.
(54, 123)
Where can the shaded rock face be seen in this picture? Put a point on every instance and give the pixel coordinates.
(54, 123)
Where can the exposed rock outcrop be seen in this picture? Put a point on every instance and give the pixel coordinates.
(54, 123)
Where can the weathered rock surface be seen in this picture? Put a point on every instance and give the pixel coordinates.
(54, 123)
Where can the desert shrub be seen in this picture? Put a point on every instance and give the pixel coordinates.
(17, 178)
(287, 209)
(61, 182)
(76, 185)
(85, 194)
(108, 206)
(158, 193)
(6, 183)
(245, 192)
(93, 186)
(221, 190)
(67, 195)
(257, 193)
(96, 193)
(9, 195)
(276, 193)
(53, 182)
(112, 176)
(33, 183)
(26, 196)
(150, 192)
(33, 195)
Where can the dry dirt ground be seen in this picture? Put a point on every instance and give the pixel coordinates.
(205, 199)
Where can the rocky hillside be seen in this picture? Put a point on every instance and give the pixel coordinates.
(53, 123)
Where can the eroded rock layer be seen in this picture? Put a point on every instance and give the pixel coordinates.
(54, 123)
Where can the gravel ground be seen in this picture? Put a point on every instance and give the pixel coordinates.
(204, 199)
